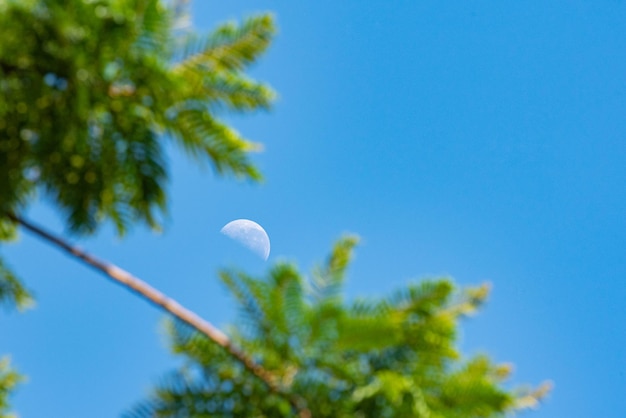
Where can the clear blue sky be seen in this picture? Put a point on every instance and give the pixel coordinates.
(483, 140)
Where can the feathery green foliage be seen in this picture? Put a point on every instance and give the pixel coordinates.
(88, 90)
(390, 357)
(8, 380)
(91, 90)
(12, 291)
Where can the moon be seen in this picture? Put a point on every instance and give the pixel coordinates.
(249, 234)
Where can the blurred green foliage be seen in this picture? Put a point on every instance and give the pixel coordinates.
(388, 357)
(8, 379)
(90, 91)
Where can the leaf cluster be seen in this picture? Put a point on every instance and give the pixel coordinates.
(8, 380)
(387, 357)
(12, 291)
(90, 90)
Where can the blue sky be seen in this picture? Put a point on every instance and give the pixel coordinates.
(482, 140)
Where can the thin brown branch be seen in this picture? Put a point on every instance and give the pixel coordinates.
(162, 301)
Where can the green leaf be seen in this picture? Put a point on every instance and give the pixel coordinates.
(327, 280)
(230, 47)
(12, 291)
(9, 379)
(202, 136)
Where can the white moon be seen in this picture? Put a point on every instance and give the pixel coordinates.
(250, 234)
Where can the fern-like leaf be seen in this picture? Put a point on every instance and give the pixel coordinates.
(12, 291)
(9, 378)
(230, 47)
(327, 281)
(203, 136)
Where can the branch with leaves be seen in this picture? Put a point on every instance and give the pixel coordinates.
(84, 116)
(169, 305)
(383, 357)
(89, 94)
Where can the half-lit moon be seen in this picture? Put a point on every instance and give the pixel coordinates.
(250, 234)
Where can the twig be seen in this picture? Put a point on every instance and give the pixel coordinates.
(162, 301)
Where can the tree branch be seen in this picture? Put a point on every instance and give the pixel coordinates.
(162, 301)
